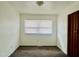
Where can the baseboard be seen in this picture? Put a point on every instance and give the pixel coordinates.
(36, 46)
(62, 50)
(13, 51)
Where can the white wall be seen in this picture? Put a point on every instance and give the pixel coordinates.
(38, 40)
(63, 26)
(9, 29)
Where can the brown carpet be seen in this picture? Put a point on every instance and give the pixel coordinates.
(38, 52)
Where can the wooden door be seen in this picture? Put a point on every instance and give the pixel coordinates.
(73, 34)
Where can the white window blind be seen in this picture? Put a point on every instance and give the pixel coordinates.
(38, 26)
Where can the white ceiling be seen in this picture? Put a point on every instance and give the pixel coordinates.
(47, 7)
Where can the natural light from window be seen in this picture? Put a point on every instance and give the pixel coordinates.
(38, 26)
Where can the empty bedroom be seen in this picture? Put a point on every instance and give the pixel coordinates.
(39, 28)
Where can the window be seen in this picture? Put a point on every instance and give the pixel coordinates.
(38, 26)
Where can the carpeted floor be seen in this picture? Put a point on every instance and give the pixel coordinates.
(38, 52)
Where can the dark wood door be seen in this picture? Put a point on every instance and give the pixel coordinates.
(73, 34)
